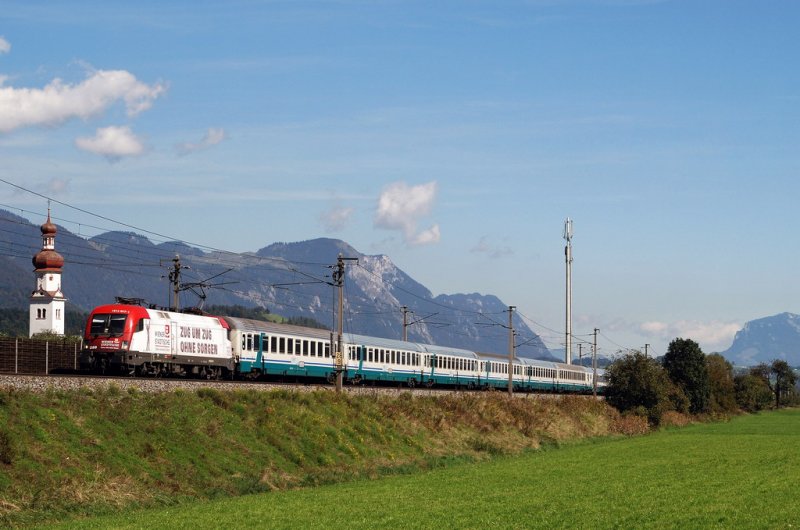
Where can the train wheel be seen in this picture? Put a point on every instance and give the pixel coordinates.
(411, 383)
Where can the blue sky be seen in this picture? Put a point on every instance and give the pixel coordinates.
(454, 137)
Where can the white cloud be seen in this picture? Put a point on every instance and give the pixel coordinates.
(5, 46)
(58, 102)
(336, 219)
(427, 237)
(57, 186)
(712, 336)
(485, 246)
(212, 137)
(112, 142)
(400, 207)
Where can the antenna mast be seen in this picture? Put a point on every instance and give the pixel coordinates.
(568, 259)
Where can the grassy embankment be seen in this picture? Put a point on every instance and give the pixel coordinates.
(66, 454)
(739, 474)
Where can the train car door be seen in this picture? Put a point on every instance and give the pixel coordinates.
(173, 333)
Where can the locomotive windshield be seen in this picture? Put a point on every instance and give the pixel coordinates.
(108, 325)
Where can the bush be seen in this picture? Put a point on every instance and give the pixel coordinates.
(637, 382)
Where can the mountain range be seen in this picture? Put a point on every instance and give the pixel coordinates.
(294, 280)
(766, 339)
(291, 279)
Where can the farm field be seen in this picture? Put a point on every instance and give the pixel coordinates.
(739, 474)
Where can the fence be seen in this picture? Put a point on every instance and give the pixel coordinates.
(26, 356)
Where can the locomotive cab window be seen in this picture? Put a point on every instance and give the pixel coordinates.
(112, 325)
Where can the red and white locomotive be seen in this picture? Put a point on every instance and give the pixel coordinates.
(156, 342)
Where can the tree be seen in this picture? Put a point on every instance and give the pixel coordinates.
(685, 364)
(640, 384)
(779, 377)
(752, 392)
(720, 379)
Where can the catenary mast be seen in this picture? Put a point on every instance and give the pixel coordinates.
(568, 259)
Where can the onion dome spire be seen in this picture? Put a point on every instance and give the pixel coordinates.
(48, 258)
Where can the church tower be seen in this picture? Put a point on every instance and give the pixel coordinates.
(47, 301)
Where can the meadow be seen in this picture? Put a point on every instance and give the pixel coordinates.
(736, 474)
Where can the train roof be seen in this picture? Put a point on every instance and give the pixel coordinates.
(259, 326)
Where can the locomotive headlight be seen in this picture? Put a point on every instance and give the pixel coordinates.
(124, 344)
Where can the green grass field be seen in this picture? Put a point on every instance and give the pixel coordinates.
(740, 474)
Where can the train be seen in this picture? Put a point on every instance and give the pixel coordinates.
(137, 340)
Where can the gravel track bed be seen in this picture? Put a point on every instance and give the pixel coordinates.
(44, 383)
(40, 383)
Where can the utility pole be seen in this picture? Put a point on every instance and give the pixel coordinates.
(594, 364)
(646, 346)
(580, 353)
(511, 309)
(339, 359)
(568, 260)
(405, 323)
(175, 280)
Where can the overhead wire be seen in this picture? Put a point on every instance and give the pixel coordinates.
(281, 265)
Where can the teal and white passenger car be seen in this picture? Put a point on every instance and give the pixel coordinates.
(284, 351)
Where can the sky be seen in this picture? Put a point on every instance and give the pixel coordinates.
(453, 136)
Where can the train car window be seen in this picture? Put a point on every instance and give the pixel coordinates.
(327, 350)
(244, 342)
(249, 346)
(305, 347)
(290, 346)
(273, 344)
(394, 357)
(383, 356)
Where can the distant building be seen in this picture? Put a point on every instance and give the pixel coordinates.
(47, 301)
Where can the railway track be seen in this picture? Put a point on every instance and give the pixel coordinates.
(67, 382)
